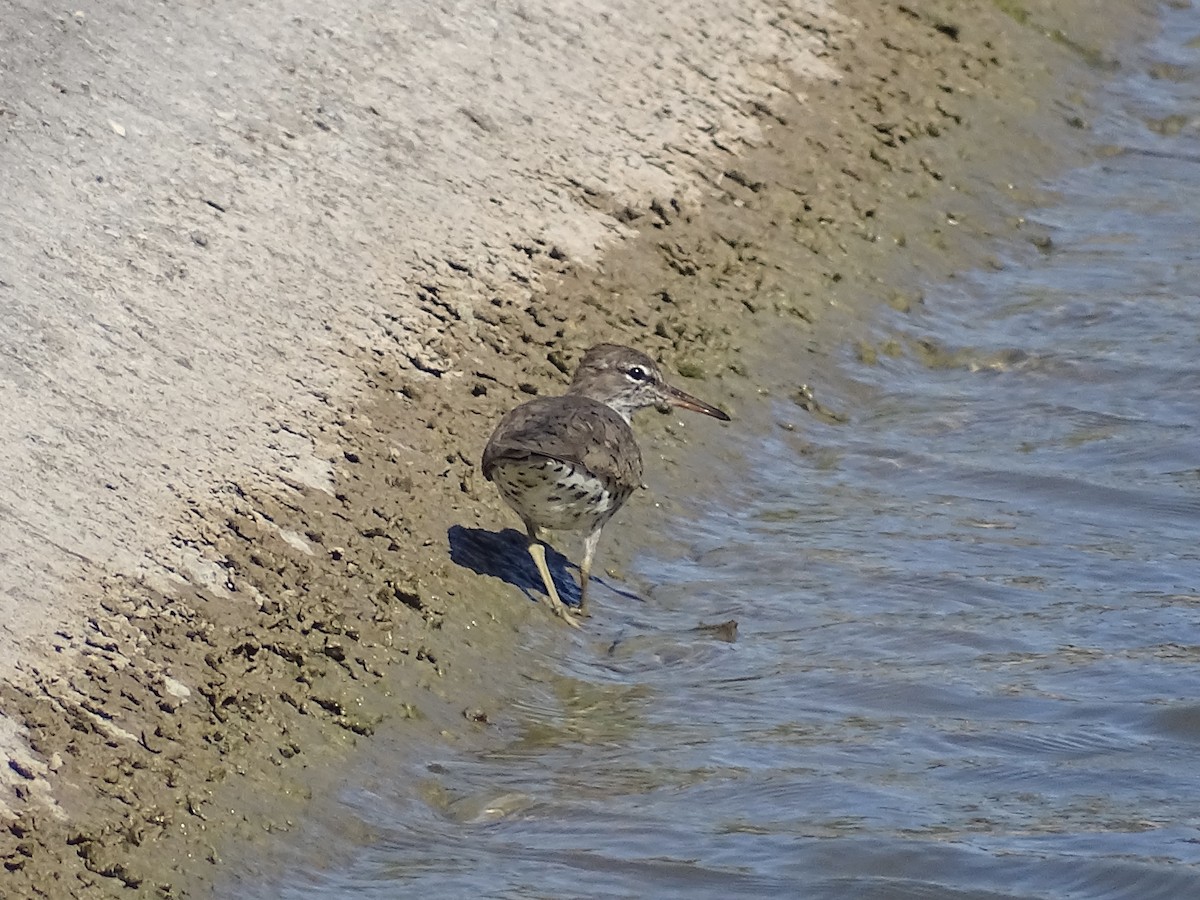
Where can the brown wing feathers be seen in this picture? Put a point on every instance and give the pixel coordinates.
(580, 432)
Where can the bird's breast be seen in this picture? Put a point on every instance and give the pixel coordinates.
(557, 495)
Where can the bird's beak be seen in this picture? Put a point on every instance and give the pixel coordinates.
(675, 397)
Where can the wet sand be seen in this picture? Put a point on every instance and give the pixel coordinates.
(274, 537)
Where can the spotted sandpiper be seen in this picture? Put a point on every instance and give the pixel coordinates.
(569, 463)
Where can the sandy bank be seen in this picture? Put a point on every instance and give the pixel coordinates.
(206, 212)
(271, 277)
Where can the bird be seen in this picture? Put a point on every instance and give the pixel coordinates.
(569, 462)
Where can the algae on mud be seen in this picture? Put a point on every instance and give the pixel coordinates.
(194, 723)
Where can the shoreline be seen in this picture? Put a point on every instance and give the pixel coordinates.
(342, 612)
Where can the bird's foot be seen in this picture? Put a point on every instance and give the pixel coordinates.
(565, 613)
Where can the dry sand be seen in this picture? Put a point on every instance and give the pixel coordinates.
(272, 273)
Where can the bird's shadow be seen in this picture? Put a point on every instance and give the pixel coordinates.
(505, 555)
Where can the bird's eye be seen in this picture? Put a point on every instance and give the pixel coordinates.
(637, 373)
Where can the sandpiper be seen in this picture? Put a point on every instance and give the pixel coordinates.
(569, 463)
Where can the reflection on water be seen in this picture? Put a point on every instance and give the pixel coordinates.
(968, 655)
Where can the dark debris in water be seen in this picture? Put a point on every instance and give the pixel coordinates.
(807, 401)
(721, 631)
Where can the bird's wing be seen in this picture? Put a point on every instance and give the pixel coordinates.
(582, 431)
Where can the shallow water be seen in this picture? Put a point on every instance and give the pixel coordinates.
(968, 660)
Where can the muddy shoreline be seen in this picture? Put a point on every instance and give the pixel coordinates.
(190, 723)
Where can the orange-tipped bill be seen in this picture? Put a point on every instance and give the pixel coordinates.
(675, 397)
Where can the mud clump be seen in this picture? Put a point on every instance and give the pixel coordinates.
(205, 718)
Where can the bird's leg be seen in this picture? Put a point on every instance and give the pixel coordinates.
(585, 568)
(538, 551)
